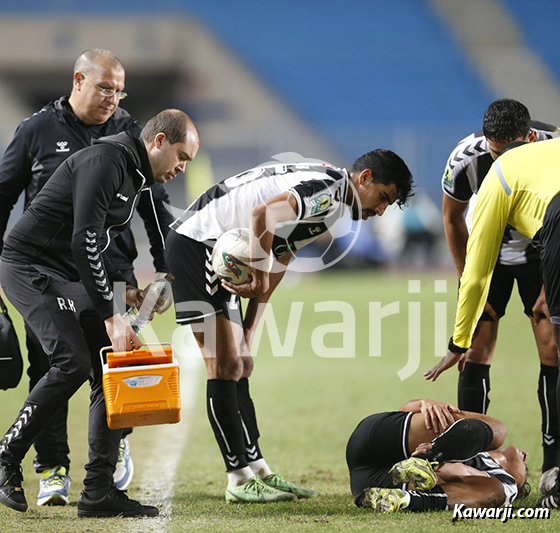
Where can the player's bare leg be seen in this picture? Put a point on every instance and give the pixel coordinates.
(224, 366)
(255, 459)
(418, 433)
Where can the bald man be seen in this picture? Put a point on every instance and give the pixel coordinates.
(55, 273)
(41, 143)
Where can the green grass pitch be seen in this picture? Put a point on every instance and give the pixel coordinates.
(307, 407)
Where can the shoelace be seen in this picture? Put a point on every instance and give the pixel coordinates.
(276, 477)
(56, 479)
(14, 475)
(258, 485)
(122, 453)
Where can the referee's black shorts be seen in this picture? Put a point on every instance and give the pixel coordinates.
(529, 285)
(549, 237)
(379, 441)
(197, 291)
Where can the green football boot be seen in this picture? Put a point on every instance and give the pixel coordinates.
(257, 491)
(384, 500)
(276, 481)
(417, 471)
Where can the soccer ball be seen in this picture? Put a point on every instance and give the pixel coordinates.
(230, 256)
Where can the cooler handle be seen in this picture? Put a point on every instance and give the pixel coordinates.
(106, 349)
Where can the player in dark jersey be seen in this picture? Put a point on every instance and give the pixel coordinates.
(392, 460)
(505, 121)
(287, 206)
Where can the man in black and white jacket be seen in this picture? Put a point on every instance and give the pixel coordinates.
(55, 273)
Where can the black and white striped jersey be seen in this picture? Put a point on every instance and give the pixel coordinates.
(319, 189)
(466, 168)
(484, 462)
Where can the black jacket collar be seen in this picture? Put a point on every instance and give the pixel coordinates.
(135, 151)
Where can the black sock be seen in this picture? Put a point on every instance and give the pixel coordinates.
(550, 427)
(474, 388)
(248, 420)
(427, 500)
(464, 439)
(223, 413)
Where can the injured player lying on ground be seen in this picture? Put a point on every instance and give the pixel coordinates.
(429, 456)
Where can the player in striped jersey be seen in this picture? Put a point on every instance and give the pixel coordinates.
(505, 121)
(430, 455)
(286, 206)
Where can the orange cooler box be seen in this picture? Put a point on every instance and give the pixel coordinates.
(141, 387)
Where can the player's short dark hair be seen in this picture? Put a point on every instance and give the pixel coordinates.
(506, 120)
(173, 122)
(524, 491)
(387, 168)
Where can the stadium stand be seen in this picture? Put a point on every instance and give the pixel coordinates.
(344, 68)
(537, 27)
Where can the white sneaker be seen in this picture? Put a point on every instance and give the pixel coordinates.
(548, 480)
(125, 467)
(54, 486)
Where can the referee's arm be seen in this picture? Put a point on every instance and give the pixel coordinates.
(490, 218)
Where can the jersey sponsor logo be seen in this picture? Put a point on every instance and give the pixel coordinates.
(447, 179)
(315, 229)
(320, 203)
(62, 146)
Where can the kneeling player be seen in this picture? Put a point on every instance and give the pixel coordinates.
(400, 460)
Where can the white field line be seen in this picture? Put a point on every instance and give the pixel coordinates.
(155, 476)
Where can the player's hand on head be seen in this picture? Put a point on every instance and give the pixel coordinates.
(451, 359)
(121, 334)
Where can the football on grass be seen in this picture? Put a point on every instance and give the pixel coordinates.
(230, 256)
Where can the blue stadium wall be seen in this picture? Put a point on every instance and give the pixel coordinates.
(385, 73)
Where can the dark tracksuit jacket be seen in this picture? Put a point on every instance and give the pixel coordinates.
(41, 143)
(54, 272)
(68, 226)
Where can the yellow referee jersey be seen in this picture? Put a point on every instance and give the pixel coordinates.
(516, 191)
